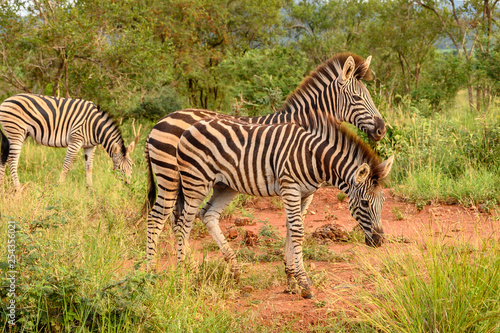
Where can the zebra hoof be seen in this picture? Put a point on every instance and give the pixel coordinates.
(306, 293)
(236, 274)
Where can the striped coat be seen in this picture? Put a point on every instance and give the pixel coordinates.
(283, 160)
(334, 88)
(60, 122)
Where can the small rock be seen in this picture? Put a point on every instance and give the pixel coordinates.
(483, 208)
(242, 221)
(312, 266)
(251, 239)
(232, 233)
(247, 289)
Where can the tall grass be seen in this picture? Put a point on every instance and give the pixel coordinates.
(441, 288)
(80, 253)
(447, 156)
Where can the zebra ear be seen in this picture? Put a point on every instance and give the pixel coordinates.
(116, 149)
(348, 70)
(385, 167)
(362, 173)
(364, 68)
(131, 147)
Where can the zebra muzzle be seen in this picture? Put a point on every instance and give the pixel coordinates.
(376, 239)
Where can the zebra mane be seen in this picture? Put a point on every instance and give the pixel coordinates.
(107, 116)
(334, 129)
(327, 72)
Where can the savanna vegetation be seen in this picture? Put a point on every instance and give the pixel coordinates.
(80, 251)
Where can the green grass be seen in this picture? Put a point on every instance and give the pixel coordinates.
(451, 156)
(441, 288)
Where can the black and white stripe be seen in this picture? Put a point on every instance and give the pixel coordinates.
(60, 122)
(283, 160)
(334, 89)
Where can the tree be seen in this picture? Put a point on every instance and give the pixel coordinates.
(403, 34)
(106, 52)
(468, 26)
(205, 32)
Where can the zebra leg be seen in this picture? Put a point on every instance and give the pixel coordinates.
(306, 201)
(182, 227)
(89, 159)
(295, 230)
(73, 148)
(292, 286)
(2, 171)
(161, 210)
(210, 215)
(289, 254)
(13, 161)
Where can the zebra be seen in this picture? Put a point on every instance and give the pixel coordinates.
(285, 160)
(332, 88)
(61, 122)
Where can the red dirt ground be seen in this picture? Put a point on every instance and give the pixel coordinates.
(337, 283)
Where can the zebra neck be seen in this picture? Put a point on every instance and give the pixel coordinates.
(108, 135)
(338, 160)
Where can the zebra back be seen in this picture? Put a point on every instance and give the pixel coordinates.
(51, 121)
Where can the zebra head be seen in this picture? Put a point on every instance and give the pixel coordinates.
(122, 161)
(353, 98)
(121, 154)
(366, 198)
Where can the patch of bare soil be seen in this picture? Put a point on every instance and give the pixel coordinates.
(338, 283)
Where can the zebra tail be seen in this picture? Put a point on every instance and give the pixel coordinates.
(5, 148)
(151, 185)
(180, 199)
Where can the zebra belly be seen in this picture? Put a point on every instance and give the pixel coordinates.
(267, 186)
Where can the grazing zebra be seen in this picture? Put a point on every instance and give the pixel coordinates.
(284, 160)
(60, 122)
(334, 88)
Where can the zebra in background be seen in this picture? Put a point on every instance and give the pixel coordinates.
(334, 88)
(61, 122)
(283, 160)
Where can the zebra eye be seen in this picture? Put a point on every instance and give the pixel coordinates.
(357, 98)
(364, 203)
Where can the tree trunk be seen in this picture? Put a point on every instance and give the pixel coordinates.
(471, 95)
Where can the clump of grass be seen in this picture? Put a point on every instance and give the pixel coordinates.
(312, 250)
(397, 213)
(356, 235)
(450, 156)
(444, 289)
(341, 196)
(238, 204)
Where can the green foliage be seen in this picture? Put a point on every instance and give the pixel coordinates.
(450, 156)
(341, 196)
(319, 252)
(445, 75)
(263, 78)
(156, 107)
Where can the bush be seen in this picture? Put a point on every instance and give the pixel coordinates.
(445, 76)
(156, 107)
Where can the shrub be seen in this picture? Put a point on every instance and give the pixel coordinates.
(157, 106)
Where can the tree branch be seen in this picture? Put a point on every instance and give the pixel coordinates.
(11, 78)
